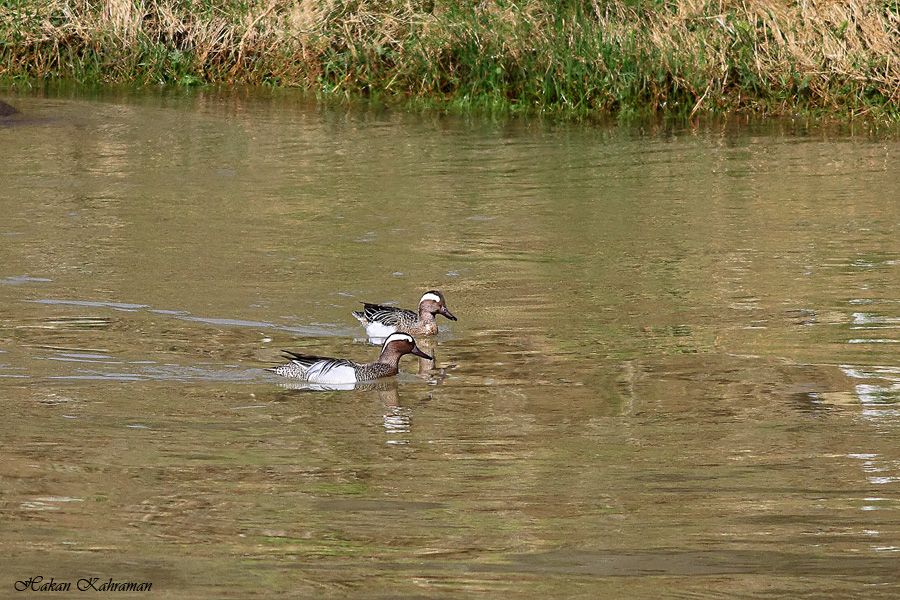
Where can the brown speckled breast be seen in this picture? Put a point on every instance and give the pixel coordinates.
(420, 328)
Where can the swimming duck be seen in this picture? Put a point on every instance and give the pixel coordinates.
(321, 369)
(381, 321)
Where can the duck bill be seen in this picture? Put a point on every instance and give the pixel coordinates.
(418, 352)
(447, 313)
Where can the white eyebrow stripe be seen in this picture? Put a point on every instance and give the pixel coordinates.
(430, 296)
(398, 336)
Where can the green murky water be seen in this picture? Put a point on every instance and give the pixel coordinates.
(676, 370)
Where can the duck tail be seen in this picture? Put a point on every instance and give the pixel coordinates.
(360, 316)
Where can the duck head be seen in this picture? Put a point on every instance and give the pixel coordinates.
(399, 344)
(432, 303)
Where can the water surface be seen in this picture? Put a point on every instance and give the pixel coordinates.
(676, 370)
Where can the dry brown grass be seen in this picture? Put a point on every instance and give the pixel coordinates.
(580, 57)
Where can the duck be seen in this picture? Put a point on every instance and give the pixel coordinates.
(340, 371)
(381, 321)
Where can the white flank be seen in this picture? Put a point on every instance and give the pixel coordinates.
(430, 296)
(317, 373)
(379, 330)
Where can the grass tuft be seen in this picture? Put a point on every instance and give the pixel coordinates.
(565, 57)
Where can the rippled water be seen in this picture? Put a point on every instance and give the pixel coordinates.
(676, 370)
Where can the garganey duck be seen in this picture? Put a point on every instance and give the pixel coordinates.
(381, 321)
(321, 369)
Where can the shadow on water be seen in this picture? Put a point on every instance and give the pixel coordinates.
(7, 110)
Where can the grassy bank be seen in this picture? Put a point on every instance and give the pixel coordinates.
(572, 58)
